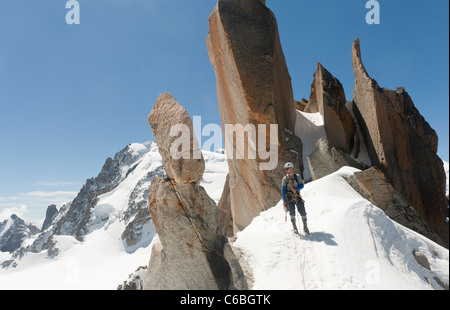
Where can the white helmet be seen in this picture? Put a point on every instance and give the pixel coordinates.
(289, 165)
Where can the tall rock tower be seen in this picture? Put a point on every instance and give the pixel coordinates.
(254, 88)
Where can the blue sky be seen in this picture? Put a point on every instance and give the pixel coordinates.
(73, 95)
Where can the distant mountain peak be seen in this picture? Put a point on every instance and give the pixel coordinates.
(13, 232)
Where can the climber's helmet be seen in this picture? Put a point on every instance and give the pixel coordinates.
(288, 166)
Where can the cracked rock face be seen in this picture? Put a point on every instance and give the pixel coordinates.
(328, 98)
(402, 144)
(372, 185)
(326, 159)
(190, 255)
(168, 119)
(253, 88)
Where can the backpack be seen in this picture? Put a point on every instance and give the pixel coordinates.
(296, 180)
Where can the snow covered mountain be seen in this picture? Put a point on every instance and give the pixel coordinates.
(105, 234)
(13, 232)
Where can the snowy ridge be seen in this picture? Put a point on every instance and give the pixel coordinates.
(352, 245)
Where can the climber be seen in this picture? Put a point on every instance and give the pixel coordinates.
(290, 191)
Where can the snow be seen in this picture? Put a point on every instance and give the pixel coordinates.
(352, 245)
(111, 204)
(102, 261)
(140, 148)
(309, 127)
(6, 226)
(216, 170)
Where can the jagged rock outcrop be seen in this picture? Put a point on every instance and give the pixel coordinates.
(402, 144)
(253, 87)
(301, 105)
(13, 232)
(135, 281)
(241, 272)
(183, 159)
(50, 215)
(77, 215)
(328, 98)
(139, 230)
(225, 217)
(372, 185)
(190, 255)
(421, 260)
(133, 232)
(326, 159)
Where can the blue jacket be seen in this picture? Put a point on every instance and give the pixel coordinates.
(298, 186)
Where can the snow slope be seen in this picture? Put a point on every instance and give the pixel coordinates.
(100, 262)
(352, 245)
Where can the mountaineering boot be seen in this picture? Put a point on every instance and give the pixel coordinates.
(305, 225)
(294, 225)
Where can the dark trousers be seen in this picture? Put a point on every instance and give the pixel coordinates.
(292, 202)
